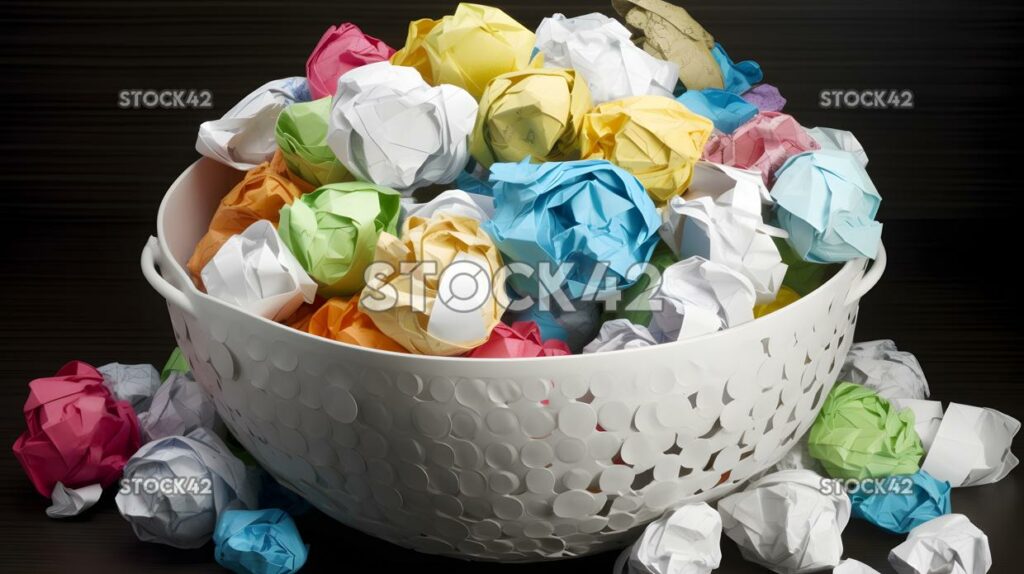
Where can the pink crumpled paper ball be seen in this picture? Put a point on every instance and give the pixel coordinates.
(521, 340)
(341, 49)
(78, 433)
(763, 144)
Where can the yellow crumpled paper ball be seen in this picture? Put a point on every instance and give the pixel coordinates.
(785, 297)
(440, 289)
(468, 48)
(531, 113)
(657, 139)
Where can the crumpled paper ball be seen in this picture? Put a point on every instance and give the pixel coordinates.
(77, 434)
(883, 368)
(255, 272)
(634, 301)
(949, 544)
(619, 334)
(739, 77)
(851, 566)
(927, 418)
(587, 212)
(447, 310)
(600, 50)
(176, 363)
(454, 202)
(839, 140)
(260, 195)
(340, 319)
(720, 220)
(68, 502)
(174, 489)
(859, 435)
(697, 297)
(575, 326)
(684, 541)
(333, 232)
(785, 298)
(467, 49)
(259, 542)
(301, 134)
(530, 114)
(668, 32)
(243, 137)
(725, 109)
(787, 522)
(133, 383)
(518, 340)
(656, 139)
(341, 49)
(901, 503)
(766, 97)
(762, 144)
(390, 127)
(972, 446)
(180, 406)
(828, 204)
(802, 276)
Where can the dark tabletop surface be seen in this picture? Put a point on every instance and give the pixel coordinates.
(80, 181)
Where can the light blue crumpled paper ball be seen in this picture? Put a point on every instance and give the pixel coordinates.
(259, 542)
(726, 110)
(736, 77)
(903, 503)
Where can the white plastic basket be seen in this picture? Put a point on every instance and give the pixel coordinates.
(498, 459)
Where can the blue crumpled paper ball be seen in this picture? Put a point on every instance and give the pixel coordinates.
(827, 203)
(726, 110)
(903, 503)
(736, 77)
(259, 542)
(586, 213)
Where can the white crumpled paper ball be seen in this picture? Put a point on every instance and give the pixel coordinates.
(180, 406)
(684, 541)
(948, 544)
(391, 128)
(697, 297)
(891, 373)
(599, 48)
(787, 522)
(453, 202)
(133, 383)
(174, 489)
(619, 334)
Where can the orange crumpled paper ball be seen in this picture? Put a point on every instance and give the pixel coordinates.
(340, 319)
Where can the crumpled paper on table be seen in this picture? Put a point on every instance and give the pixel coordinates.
(725, 109)
(575, 325)
(68, 502)
(259, 542)
(619, 334)
(858, 434)
(179, 406)
(468, 48)
(787, 522)
(766, 97)
(244, 136)
(901, 503)
(949, 544)
(737, 78)
(301, 134)
(422, 310)
(260, 195)
(762, 144)
(972, 446)
(828, 204)
(390, 127)
(668, 32)
(341, 49)
(455, 202)
(77, 434)
(133, 383)
(841, 140)
(340, 319)
(333, 232)
(588, 212)
(255, 272)
(927, 417)
(851, 566)
(683, 541)
(785, 298)
(209, 481)
(657, 139)
(600, 50)
(530, 114)
(880, 366)
(697, 297)
(720, 220)
(521, 339)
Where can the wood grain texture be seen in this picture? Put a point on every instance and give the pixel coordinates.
(81, 180)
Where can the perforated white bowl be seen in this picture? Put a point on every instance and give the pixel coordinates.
(495, 459)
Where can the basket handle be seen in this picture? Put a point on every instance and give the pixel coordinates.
(153, 256)
(869, 278)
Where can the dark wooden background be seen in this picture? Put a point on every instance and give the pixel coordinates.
(80, 181)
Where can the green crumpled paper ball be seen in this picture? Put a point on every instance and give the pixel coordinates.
(301, 133)
(859, 434)
(333, 232)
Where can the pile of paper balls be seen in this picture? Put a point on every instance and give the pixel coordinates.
(600, 185)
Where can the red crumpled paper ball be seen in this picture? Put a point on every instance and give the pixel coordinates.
(522, 339)
(341, 49)
(78, 433)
